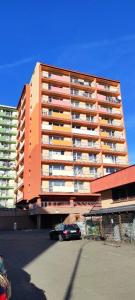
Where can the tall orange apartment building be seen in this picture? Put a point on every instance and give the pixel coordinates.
(70, 131)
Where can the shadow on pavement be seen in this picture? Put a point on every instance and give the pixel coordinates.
(19, 249)
(68, 295)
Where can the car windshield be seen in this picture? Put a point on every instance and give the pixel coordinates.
(71, 227)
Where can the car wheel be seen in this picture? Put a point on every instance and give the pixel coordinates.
(60, 238)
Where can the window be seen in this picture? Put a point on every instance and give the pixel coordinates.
(77, 156)
(76, 126)
(110, 170)
(110, 121)
(90, 129)
(56, 183)
(56, 152)
(56, 124)
(92, 157)
(75, 103)
(54, 111)
(91, 143)
(109, 109)
(93, 170)
(90, 118)
(78, 185)
(61, 138)
(56, 167)
(123, 192)
(75, 116)
(110, 157)
(78, 170)
(74, 92)
(76, 142)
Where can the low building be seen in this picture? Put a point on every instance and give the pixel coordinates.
(117, 189)
(117, 204)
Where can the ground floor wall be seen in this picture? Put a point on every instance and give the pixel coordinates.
(37, 221)
(17, 222)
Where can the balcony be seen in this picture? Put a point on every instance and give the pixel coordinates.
(57, 102)
(115, 149)
(115, 136)
(103, 98)
(85, 106)
(60, 173)
(58, 115)
(61, 189)
(8, 131)
(114, 123)
(82, 93)
(56, 128)
(82, 82)
(108, 88)
(87, 174)
(86, 145)
(58, 189)
(19, 197)
(60, 142)
(22, 133)
(7, 157)
(113, 111)
(55, 89)
(20, 170)
(21, 157)
(19, 184)
(58, 157)
(8, 115)
(85, 132)
(62, 78)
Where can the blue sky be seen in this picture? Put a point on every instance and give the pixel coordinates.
(91, 36)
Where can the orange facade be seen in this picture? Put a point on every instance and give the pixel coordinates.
(71, 131)
(123, 177)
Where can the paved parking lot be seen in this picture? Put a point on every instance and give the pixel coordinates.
(42, 269)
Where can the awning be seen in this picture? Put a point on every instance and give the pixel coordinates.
(104, 211)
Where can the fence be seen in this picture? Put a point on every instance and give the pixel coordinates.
(116, 227)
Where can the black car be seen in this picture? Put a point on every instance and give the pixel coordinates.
(65, 232)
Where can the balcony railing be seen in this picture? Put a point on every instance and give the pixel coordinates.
(116, 135)
(69, 143)
(114, 123)
(115, 162)
(57, 142)
(70, 158)
(65, 189)
(57, 157)
(73, 173)
(120, 149)
(56, 128)
(108, 99)
(63, 78)
(63, 102)
(113, 111)
(90, 120)
(82, 94)
(82, 131)
(107, 88)
(58, 189)
(20, 170)
(83, 82)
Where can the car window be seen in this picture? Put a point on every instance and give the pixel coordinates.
(71, 227)
(59, 227)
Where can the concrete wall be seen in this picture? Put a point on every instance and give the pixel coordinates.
(23, 222)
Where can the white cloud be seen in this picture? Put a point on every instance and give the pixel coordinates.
(16, 63)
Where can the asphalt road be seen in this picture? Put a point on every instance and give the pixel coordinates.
(42, 269)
